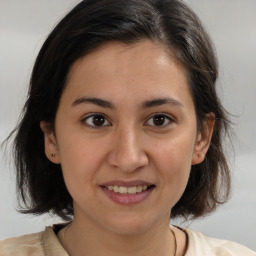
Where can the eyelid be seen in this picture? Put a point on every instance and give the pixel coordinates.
(86, 117)
(167, 116)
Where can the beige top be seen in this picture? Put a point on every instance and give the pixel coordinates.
(46, 243)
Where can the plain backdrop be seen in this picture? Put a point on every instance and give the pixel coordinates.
(24, 26)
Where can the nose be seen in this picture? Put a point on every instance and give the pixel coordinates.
(127, 151)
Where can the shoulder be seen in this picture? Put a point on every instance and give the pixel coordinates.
(23, 246)
(37, 244)
(199, 244)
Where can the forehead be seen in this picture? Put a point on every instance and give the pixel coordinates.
(114, 56)
(143, 68)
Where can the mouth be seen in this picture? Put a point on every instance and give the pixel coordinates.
(128, 190)
(127, 193)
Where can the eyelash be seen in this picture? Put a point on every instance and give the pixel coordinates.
(167, 118)
(91, 116)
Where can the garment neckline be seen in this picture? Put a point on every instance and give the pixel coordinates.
(54, 230)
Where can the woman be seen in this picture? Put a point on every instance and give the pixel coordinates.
(122, 130)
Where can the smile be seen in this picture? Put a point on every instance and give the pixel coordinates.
(127, 190)
(127, 194)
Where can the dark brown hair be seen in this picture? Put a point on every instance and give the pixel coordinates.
(90, 24)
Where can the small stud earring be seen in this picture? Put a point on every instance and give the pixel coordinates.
(53, 155)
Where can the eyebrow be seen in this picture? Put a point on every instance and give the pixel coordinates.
(162, 101)
(146, 104)
(96, 101)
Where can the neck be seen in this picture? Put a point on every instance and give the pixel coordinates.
(85, 239)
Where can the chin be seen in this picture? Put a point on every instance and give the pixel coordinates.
(130, 225)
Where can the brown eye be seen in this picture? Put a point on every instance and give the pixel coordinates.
(159, 120)
(96, 121)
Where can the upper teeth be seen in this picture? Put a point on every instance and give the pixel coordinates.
(127, 190)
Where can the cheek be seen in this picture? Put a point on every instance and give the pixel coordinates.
(79, 162)
(173, 160)
(176, 152)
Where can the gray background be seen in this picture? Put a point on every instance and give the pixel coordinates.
(232, 26)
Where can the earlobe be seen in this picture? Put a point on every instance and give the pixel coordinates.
(50, 143)
(203, 140)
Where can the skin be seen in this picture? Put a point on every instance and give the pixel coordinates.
(130, 145)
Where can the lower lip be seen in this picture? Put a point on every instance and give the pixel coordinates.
(127, 199)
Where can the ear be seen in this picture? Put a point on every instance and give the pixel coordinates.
(50, 143)
(203, 140)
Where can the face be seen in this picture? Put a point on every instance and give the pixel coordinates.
(126, 136)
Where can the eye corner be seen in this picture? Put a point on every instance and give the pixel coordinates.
(101, 123)
(166, 120)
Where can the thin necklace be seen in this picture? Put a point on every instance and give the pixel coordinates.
(175, 243)
(68, 226)
(64, 237)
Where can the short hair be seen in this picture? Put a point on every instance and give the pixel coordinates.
(89, 25)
